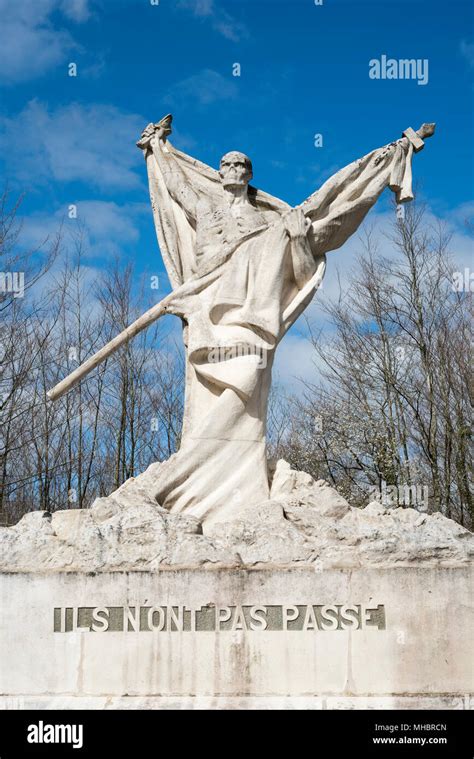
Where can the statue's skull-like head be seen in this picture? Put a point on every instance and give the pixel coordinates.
(235, 169)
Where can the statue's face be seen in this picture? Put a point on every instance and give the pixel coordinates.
(235, 169)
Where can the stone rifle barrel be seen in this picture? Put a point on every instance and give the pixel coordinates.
(139, 325)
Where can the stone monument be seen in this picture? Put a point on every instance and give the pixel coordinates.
(217, 578)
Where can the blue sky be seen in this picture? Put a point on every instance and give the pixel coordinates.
(304, 70)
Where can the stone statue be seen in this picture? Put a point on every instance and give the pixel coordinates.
(243, 266)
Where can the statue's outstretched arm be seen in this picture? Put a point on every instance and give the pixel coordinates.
(154, 139)
(337, 209)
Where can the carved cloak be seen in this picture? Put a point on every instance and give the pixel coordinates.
(249, 295)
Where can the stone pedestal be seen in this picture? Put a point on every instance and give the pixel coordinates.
(393, 637)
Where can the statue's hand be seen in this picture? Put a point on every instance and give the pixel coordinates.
(147, 134)
(296, 224)
(153, 130)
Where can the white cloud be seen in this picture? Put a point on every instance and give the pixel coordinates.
(76, 143)
(201, 7)
(30, 44)
(78, 10)
(296, 362)
(467, 52)
(89, 277)
(205, 87)
(221, 21)
(462, 217)
(229, 28)
(108, 227)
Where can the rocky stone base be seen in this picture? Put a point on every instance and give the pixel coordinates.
(304, 523)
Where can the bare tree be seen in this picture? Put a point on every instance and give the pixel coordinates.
(21, 304)
(115, 423)
(394, 403)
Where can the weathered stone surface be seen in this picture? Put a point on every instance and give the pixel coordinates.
(417, 652)
(303, 522)
(243, 266)
(200, 703)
